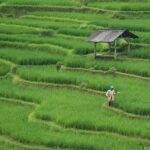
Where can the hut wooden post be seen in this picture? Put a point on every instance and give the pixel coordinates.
(109, 47)
(115, 50)
(95, 50)
(128, 40)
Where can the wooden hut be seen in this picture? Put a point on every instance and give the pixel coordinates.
(110, 36)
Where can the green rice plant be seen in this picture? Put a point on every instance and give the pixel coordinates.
(107, 22)
(4, 68)
(31, 39)
(78, 31)
(61, 27)
(25, 57)
(47, 74)
(132, 15)
(16, 29)
(56, 19)
(38, 23)
(119, 1)
(75, 32)
(96, 82)
(44, 2)
(123, 6)
(143, 52)
(5, 146)
(126, 66)
(79, 46)
(71, 29)
(52, 49)
(74, 115)
(143, 37)
(40, 134)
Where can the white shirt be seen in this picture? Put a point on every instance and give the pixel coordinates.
(111, 95)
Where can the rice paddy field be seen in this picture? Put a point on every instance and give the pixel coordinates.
(44, 108)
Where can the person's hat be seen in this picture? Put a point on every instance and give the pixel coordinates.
(111, 87)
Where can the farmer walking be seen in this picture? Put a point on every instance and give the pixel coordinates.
(111, 96)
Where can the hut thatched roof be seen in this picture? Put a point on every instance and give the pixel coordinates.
(110, 35)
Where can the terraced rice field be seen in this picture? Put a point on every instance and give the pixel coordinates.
(45, 109)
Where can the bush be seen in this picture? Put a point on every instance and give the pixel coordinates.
(85, 2)
(58, 66)
(47, 33)
(112, 70)
(83, 85)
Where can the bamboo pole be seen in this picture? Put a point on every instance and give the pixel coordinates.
(109, 47)
(115, 51)
(128, 40)
(95, 50)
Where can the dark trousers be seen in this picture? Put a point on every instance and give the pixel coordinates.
(110, 103)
